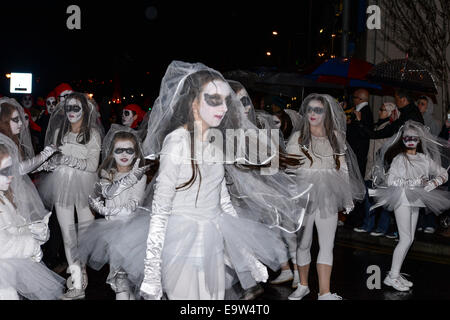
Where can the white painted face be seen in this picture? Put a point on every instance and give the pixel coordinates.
(213, 102)
(124, 153)
(27, 120)
(276, 122)
(410, 139)
(5, 175)
(50, 104)
(63, 95)
(27, 101)
(127, 118)
(15, 123)
(243, 96)
(316, 113)
(74, 110)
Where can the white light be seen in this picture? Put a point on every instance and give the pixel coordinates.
(268, 53)
(21, 82)
(274, 33)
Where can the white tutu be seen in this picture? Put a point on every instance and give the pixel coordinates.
(330, 193)
(190, 242)
(66, 186)
(391, 198)
(30, 279)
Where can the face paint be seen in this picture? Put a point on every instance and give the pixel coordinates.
(124, 153)
(276, 122)
(15, 123)
(127, 118)
(27, 120)
(242, 95)
(5, 173)
(50, 104)
(27, 102)
(410, 139)
(64, 94)
(316, 113)
(74, 110)
(213, 102)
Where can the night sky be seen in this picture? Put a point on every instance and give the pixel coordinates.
(118, 40)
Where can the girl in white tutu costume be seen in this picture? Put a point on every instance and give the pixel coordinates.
(331, 167)
(408, 170)
(122, 185)
(74, 129)
(21, 235)
(197, 245)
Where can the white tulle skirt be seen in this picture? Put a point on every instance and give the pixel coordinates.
(32, 280)
(392, 197)
(198, 254)
(66, 186)
(331, 191)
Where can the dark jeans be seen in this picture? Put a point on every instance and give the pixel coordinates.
(370, 216)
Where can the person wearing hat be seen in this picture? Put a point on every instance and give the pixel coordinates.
(61, 91)
(132, 115)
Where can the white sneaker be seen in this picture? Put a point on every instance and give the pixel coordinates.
(395, 283)
(405, 282)
(359, 230)
(285, 276)
(73, 294)
(299, 293)
(329, 296)
(429, 230)
(296, 280)
(69, 282)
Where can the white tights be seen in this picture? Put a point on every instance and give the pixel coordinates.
(406, 218)
(326, 230)
(66, 218)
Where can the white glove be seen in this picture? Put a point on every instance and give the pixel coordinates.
(40, 232)
(48, 151)
(99, 207)
(431, 185)
(37, 255)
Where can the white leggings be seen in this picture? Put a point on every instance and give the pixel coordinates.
(326, 230)
(406, 218)
(66, 219)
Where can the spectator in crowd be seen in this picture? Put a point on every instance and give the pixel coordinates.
(426, 107)
(388, 113)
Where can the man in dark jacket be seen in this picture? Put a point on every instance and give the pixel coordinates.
(408, 111)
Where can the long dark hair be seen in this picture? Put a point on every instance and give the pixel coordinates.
(305, 134)
(396, 149)
(6, 111)
(84, 135)
(8, 193)
(109, 161)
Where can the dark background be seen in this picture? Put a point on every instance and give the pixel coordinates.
(119, 46)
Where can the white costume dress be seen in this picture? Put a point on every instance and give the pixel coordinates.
(101, 236)
(20, 268)
(405, 184)
(196, 242)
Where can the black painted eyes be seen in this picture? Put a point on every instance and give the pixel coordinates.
(129, 151)
(15, 119)
(72, 107)
(246, 101)
(316, 110)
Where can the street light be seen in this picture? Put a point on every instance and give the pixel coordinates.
(274, 33)
(268, 53)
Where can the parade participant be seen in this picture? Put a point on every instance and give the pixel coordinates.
(62, 91)
(22, 232)
(122, 185)
(132, 116)
(190, 196)
(74, 128)
(408, 170)
(331, 167)
(13, 125)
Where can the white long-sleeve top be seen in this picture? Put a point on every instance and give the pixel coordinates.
(407, 168)
(128, 197)
(89, 152)
(16, 240)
